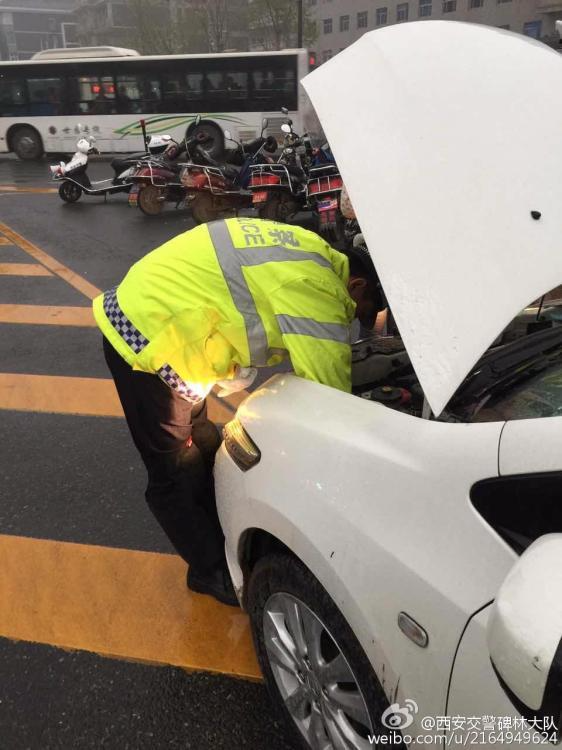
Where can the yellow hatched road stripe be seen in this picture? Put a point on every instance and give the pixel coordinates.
(58, 394)
(22, 189)
(79, 283)
(119, 603)
(23, 269)
(47, 315)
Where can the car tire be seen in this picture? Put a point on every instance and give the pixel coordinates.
(282, 593)
(70, 192)
(27, 144)
(149, 200)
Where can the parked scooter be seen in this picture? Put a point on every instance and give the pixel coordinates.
(279, 190)
(73, 174)
(323, 192)
(157, 181)
(218, 190)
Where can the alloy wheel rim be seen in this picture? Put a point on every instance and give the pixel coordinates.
(315, 680)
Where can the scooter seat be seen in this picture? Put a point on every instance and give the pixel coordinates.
(120, 165)
(230, 171)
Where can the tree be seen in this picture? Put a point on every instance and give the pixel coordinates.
(180, 26)
(273, 24)
(214, 21)
(153, 33)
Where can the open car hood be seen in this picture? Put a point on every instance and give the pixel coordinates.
(448, 138)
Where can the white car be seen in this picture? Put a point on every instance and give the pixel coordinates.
(400, 553)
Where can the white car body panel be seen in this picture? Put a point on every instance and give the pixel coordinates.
(531, 446)
(376, 504)
(476, 691)
(444, 199)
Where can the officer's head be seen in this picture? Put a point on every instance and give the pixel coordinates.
(364, 286)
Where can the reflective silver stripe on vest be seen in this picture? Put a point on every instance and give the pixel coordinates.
(232, 260)
(308, 327)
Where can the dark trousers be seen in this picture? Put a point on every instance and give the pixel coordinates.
(180, 491)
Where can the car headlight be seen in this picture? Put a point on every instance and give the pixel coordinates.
(240, 446)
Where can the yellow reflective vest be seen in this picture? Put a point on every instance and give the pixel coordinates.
(242, 291)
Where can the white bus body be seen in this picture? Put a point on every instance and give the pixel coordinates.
(43, 101)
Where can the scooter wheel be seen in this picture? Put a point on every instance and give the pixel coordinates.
(203, 208)
(150, 200)
(277, 209)
(69, 192)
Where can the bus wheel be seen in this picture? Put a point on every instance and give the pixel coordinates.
(203, 208)
(151, 200)
(70, 192)
(27, 144)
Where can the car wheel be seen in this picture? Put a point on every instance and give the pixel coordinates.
(317, 673)
(150, 200)
(69, 192)
(27, 144)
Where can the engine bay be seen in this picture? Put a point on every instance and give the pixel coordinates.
(382, 371)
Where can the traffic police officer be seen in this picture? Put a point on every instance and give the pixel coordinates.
(203, 309)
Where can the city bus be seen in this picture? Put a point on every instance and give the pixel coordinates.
(107, 91)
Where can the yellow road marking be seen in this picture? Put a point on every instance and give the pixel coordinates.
(47, 315)
(23, 269)
(119, 603)
(79, 283)
(20, 189)
(57, 394)
(5, 241)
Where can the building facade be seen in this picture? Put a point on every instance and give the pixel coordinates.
(29, 26)
(341, 22)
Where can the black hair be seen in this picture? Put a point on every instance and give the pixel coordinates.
(361, 264)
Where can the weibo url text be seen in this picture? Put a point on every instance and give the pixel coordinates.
(466, 739)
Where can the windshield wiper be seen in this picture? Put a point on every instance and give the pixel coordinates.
(507, 365)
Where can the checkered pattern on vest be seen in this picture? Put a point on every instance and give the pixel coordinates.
(130, 335)
(134, 338)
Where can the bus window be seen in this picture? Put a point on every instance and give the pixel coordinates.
(229, 85)
(194, 86)
(275, 86)
(12, 97)
(173, 93)
(45, 96)
(93, 95)
(137, 94)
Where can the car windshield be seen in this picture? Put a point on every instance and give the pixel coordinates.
(538, 396)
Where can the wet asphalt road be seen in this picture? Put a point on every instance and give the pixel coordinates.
(79, 480)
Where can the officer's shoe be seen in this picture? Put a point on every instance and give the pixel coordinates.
(217, 583)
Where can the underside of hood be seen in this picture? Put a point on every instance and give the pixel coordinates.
(449, 140)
